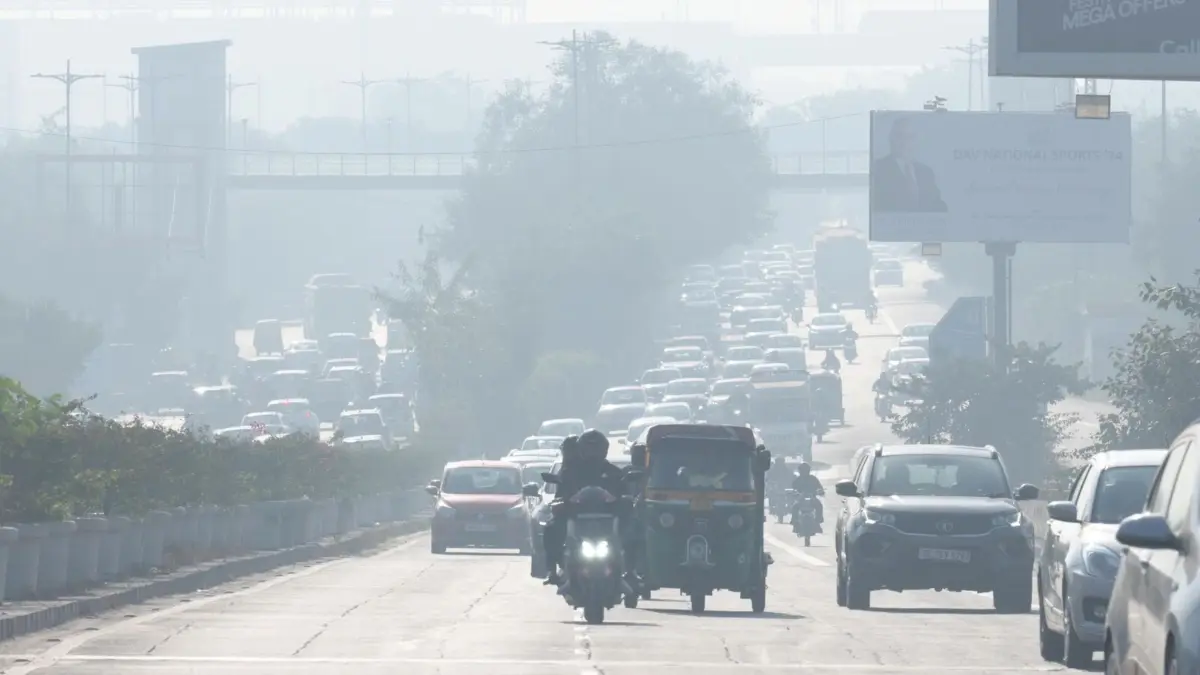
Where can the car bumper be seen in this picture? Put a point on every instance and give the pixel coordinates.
(889, 559)
(453, 532)
(1088, 604)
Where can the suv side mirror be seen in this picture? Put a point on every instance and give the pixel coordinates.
(531, 490)
(1026, 493)
(1149, 531)
(434, 487)
(846, 488)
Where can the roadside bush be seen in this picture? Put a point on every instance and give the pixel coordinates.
(57, 461)
(972, 403)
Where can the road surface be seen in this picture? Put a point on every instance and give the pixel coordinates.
(406, 611)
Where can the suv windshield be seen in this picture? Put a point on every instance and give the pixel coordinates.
(688, 386)
(940, 475)
(700, 464)
(1121, 493)
(365, 424)
(482, 481)
(829, 320)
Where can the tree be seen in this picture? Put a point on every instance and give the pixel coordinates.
(573, 246)
(971, 403)
(42, 346)
(1154, 388)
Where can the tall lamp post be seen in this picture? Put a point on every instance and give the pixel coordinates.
(68, 80)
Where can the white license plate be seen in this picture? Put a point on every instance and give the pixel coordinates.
(944, 555)
(480, 527)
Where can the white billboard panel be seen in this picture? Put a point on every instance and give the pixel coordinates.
(999, 177)
(1117, 39)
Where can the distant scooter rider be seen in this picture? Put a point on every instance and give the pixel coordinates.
(872, 308)
(850, 346)
(590, 468)
(831, 362)
(805, 483)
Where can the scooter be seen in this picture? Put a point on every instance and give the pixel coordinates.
(804, 516)
(872, 313)
(850, 350)
(820, 428)
(883, 407)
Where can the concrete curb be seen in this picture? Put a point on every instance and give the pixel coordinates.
(58, 612)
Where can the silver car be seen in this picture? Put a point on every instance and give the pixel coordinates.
(1080, 556)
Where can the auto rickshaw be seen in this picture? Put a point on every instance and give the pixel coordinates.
(827, 397)
(702, 511)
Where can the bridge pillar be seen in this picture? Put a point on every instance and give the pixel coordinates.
(182, 116)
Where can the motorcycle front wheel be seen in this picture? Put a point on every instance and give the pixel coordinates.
(593, 613)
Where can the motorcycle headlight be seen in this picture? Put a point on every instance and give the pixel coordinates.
(1007, 519)
(877, 516)
(593, 550)
(443, 511)
(1100, 561)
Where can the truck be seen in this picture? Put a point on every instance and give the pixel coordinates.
(334, 304)
(779, 409)
(841, 268)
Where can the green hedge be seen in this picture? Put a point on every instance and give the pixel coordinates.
(56, 461)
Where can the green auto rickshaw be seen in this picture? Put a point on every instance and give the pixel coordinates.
(702, 511)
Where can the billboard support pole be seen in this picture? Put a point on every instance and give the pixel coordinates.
(1001, 253)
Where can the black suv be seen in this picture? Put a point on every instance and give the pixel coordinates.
(933, 517)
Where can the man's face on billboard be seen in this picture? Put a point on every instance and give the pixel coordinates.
(901, 139)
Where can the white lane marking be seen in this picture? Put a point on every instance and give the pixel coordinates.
(62, 651)
(706, 665)
(583, 647)
(793, 551)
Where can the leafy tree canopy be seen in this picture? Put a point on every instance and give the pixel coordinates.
(971, 403)
(42, 346)
(589, 198)
(1154, 387)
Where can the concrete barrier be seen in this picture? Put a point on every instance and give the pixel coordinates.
(108, 561)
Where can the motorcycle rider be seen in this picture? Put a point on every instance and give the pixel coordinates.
(589, 468)
(805, 483)
(883, 390)
(850, 346)
(831, 362)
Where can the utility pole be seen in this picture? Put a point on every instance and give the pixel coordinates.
(230, 88)
(574, 46)
(471, 84)
(130, 84)
(407, 82)
(68, 80)
(972, 49)
(363, 85)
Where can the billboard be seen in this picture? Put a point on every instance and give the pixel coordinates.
(999, 177)
(1117, 39)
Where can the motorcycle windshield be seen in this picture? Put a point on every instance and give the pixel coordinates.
(593, 497)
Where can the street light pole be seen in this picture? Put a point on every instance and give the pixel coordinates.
(363, 85)
(972, 49)
(230, 88)
(407, 82)
(68, 80)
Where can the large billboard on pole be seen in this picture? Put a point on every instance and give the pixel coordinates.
(999, 177)
(1117, 39)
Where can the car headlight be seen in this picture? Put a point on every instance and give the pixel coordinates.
(1006, 519)
(443, 511)
(1100, 561)
(877, 516)
(593, 550)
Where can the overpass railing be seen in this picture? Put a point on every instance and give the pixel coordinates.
(400, 165)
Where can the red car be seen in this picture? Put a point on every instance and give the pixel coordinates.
(480, 504)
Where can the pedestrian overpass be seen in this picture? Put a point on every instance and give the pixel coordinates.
(249, 170)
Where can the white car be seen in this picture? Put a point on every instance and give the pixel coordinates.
(297, 413)
(572, 426)
(542, 443)
(259, 419)
(640, 425)
(827, 331)
(677, 410)
(616, 396)
(897, 354)
(916, 335)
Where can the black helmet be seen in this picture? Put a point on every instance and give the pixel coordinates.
(803, 469)
(569, 445)
(593, 444)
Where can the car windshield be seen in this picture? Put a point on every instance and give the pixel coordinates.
(532, 473)
(941, 475)
(1121, 492)
(365, 424)
(917, 330)
(899, 354)
(262, 418)
(660, 376)
(679, 411)
(542, 443)
(618, 419)
(686, 387)
(697, 342)
(700, 464)
(623, 395)
(912, 367)
(744, 354)
(482, 481)
(828, 320)
(740, 369)
(675, 354)
(729, 387)
(786, 340)
(888, 265)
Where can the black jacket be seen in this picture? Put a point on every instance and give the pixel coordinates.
(589, 473)
(809, 484)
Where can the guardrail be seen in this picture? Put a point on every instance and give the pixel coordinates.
(43, 561)
(401, 165)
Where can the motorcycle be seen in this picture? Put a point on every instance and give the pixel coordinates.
(804, 516)
(593, 558)
(872, 313)
(883, 407)
(820, 428)
(779, 504)
(851, 350)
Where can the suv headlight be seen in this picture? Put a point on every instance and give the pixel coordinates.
(1100, 561)
(1007, 519)
(877, 516)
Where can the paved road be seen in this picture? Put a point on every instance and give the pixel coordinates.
(407, 611)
